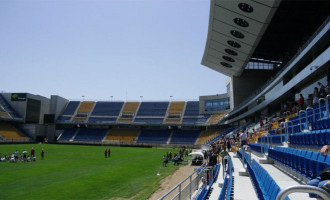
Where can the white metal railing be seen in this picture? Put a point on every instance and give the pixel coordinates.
(302, 189)
(287, 129)
(182, 191)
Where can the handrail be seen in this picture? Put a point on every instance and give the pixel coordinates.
(300, 123)
(287, 129)
(248, 149)
(320, 110)
(224, 168)
(304, 189)
(327, 104)
(310, 108)
(179, 184)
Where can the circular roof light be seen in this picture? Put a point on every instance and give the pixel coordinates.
(234, 44)
(237, 34)
(245, 7)
(226, 64)
(241, 22)
(231, 52)
(229, 59)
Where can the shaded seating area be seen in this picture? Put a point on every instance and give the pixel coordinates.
(154, 136)
(122, 135)
(152, 121)
(9, 132)
(206, 136)
(214, 119)
(67, 134)
(185, 136)
(90, 134)
(4, 115)
(63, 119)
(100, 120)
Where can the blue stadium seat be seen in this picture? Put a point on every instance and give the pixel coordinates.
(91, 134)
(71, 108)
(68, 134)
(102, 119)
(185, 136)
(152, 109)
(63, 119)
(192, 109)
(154, 136)
(105, 108)
(153, 121)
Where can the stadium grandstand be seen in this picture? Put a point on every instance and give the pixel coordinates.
(273, 52)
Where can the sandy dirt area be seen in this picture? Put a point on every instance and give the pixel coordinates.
(172, 180)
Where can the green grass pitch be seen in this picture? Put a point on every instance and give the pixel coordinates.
(82, 172)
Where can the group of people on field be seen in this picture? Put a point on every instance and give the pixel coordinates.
(176, 158)
(107, 153)
(22, 157)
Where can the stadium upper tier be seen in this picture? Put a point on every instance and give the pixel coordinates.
(6, 111)
(139, 113)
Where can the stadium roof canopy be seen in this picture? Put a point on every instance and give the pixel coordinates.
(261, 30)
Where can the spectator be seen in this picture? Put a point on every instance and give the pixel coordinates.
(321, 181)
(164, 161)
(243, 137)
(42, 153)
(322, 91)
(224, 153)
(32, 152)
(261, 123)
(301, 102)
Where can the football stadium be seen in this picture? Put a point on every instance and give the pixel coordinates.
(267, 137)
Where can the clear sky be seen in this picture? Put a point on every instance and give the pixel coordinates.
(124, 48)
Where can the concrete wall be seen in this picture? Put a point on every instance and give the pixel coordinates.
(57, 105)
(44, 108)
(247, 84)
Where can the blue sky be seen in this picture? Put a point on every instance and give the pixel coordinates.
(124, 48)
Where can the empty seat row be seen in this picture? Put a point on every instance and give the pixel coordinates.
(185, 136)
(226, 190)
(154, 136)
(67, 134)
(260, 148)
(307, 163)
(316, 138)
(263, 183)
(273, 139)
(323, 123)
(265, 186)
(90, 134)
